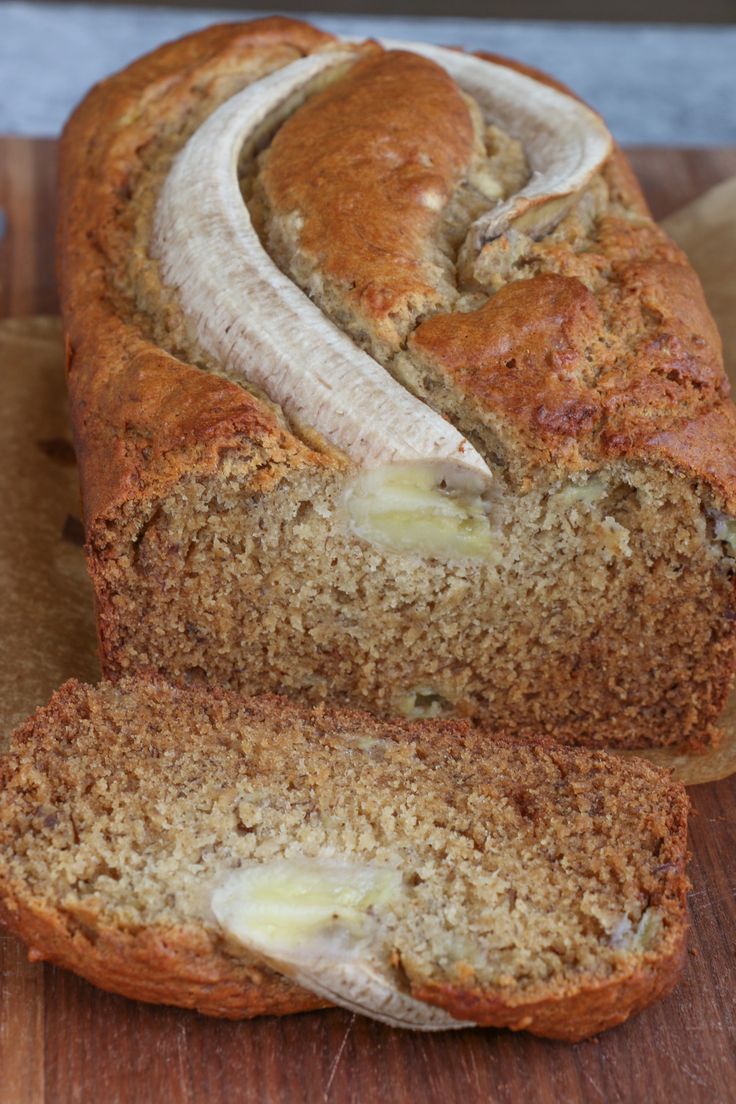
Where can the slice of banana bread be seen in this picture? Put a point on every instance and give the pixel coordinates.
(166, 843)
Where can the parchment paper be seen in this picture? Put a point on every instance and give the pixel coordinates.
(47, 632)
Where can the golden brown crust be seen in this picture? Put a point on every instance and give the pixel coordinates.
(586, 376)
(181, 968)
(523, 354)
(681, 446)
(161, 965)
(370, 164)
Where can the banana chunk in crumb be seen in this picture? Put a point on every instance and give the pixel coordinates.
(412, 508)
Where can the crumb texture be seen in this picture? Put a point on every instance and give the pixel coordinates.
(626, 641)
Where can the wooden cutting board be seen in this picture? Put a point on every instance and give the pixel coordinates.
(63, 1041)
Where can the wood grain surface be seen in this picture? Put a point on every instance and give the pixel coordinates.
(63, 1041)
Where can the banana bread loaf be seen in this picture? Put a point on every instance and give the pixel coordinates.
(387, 390)
(166, 843)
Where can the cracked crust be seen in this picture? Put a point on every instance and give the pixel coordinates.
(578, 343)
